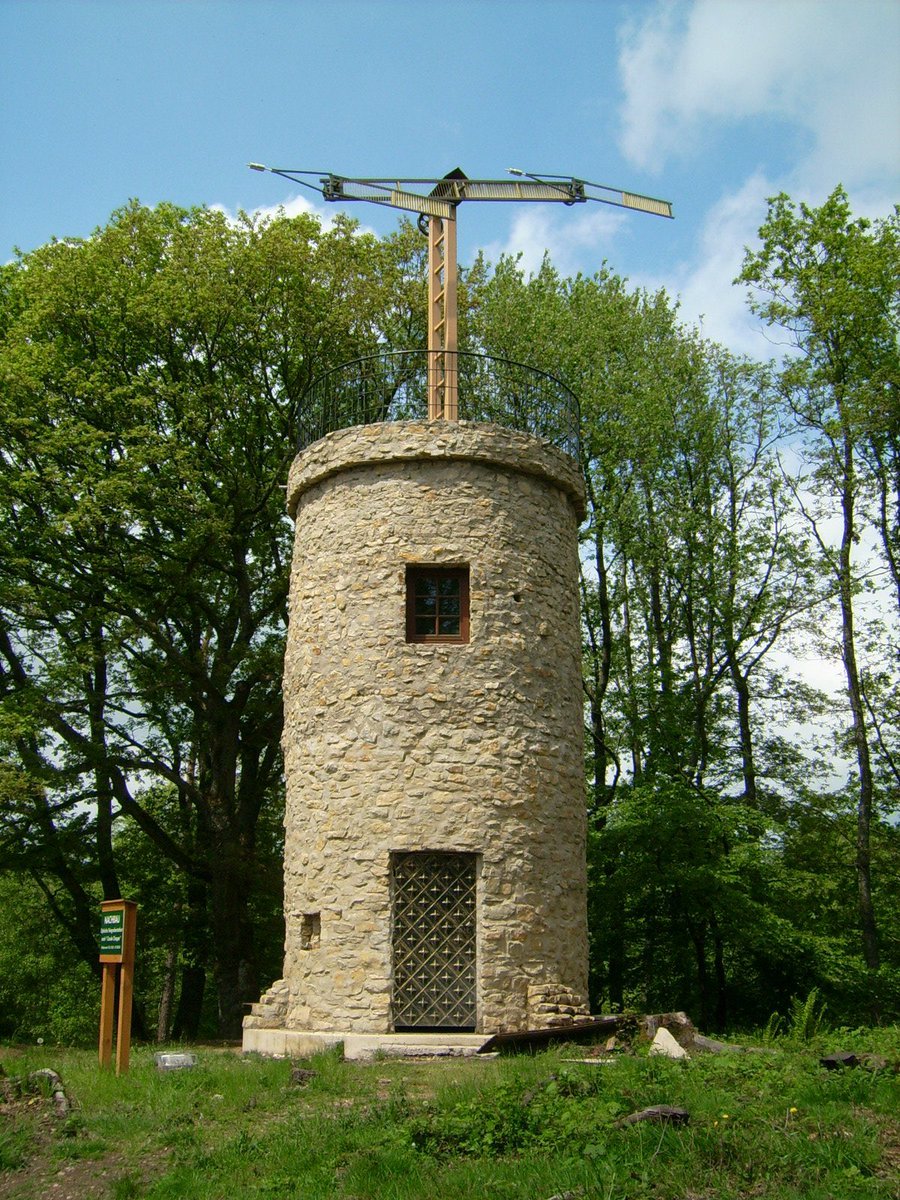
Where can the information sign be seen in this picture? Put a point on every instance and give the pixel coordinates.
(117, 936)
(112, 933)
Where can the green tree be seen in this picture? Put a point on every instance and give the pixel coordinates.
(151, 377)
(43, 993)
(830, 281)
(693, 573)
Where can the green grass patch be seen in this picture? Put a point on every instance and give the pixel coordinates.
(773, 1124)
(14, 1148)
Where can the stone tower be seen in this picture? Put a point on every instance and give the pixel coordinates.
(435, 825)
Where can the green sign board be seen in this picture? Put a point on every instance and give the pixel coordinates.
(112, 932)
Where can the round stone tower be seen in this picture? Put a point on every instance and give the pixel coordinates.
(435, 825)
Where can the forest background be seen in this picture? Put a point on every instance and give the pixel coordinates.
(744, 841)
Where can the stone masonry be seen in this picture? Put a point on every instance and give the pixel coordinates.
(394, 746)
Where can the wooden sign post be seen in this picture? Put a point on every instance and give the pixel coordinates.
(118, 921)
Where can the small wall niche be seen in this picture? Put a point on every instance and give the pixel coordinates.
(310, 930)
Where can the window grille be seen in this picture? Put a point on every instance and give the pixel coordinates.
(434, 941)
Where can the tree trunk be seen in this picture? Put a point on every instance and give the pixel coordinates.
(721, 978)
(698, 937)
(865, 802)
(186, 1025)
(167, 996)
(235, 971)
(232, 873)
(631, 694)
(95, 686)
(601, 659)
(194, 957)
(616, 968)
(742, 691)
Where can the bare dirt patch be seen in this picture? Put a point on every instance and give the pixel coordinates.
(45, 1159)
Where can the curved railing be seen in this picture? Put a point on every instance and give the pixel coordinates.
(393, 386)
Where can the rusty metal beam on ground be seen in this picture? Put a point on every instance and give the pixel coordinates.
(533, 1039)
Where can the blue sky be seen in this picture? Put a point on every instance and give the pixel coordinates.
(713, 104)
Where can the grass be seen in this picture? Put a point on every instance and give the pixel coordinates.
(773, 1124)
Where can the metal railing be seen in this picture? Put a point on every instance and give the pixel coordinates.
(393, 386)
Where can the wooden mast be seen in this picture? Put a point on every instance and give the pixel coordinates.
(442, 320)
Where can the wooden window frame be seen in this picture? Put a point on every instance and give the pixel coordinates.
(416, 571)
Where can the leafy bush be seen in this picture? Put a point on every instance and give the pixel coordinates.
(564, 1110)
(45, 992)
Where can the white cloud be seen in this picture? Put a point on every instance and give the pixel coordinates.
(829, 68)
(296, 206)
(570, 238)
(704, 284)
(293, 206)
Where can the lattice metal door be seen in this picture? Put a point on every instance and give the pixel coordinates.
(434, 941)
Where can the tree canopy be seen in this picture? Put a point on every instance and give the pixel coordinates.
(151, 381)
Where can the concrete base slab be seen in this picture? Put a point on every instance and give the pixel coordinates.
(288, 1043)
(358, 1047)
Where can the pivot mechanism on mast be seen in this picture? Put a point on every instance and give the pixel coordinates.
(437, 200)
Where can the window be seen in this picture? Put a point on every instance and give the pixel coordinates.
(437, 604)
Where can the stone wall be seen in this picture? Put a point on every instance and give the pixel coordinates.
(394, 746)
